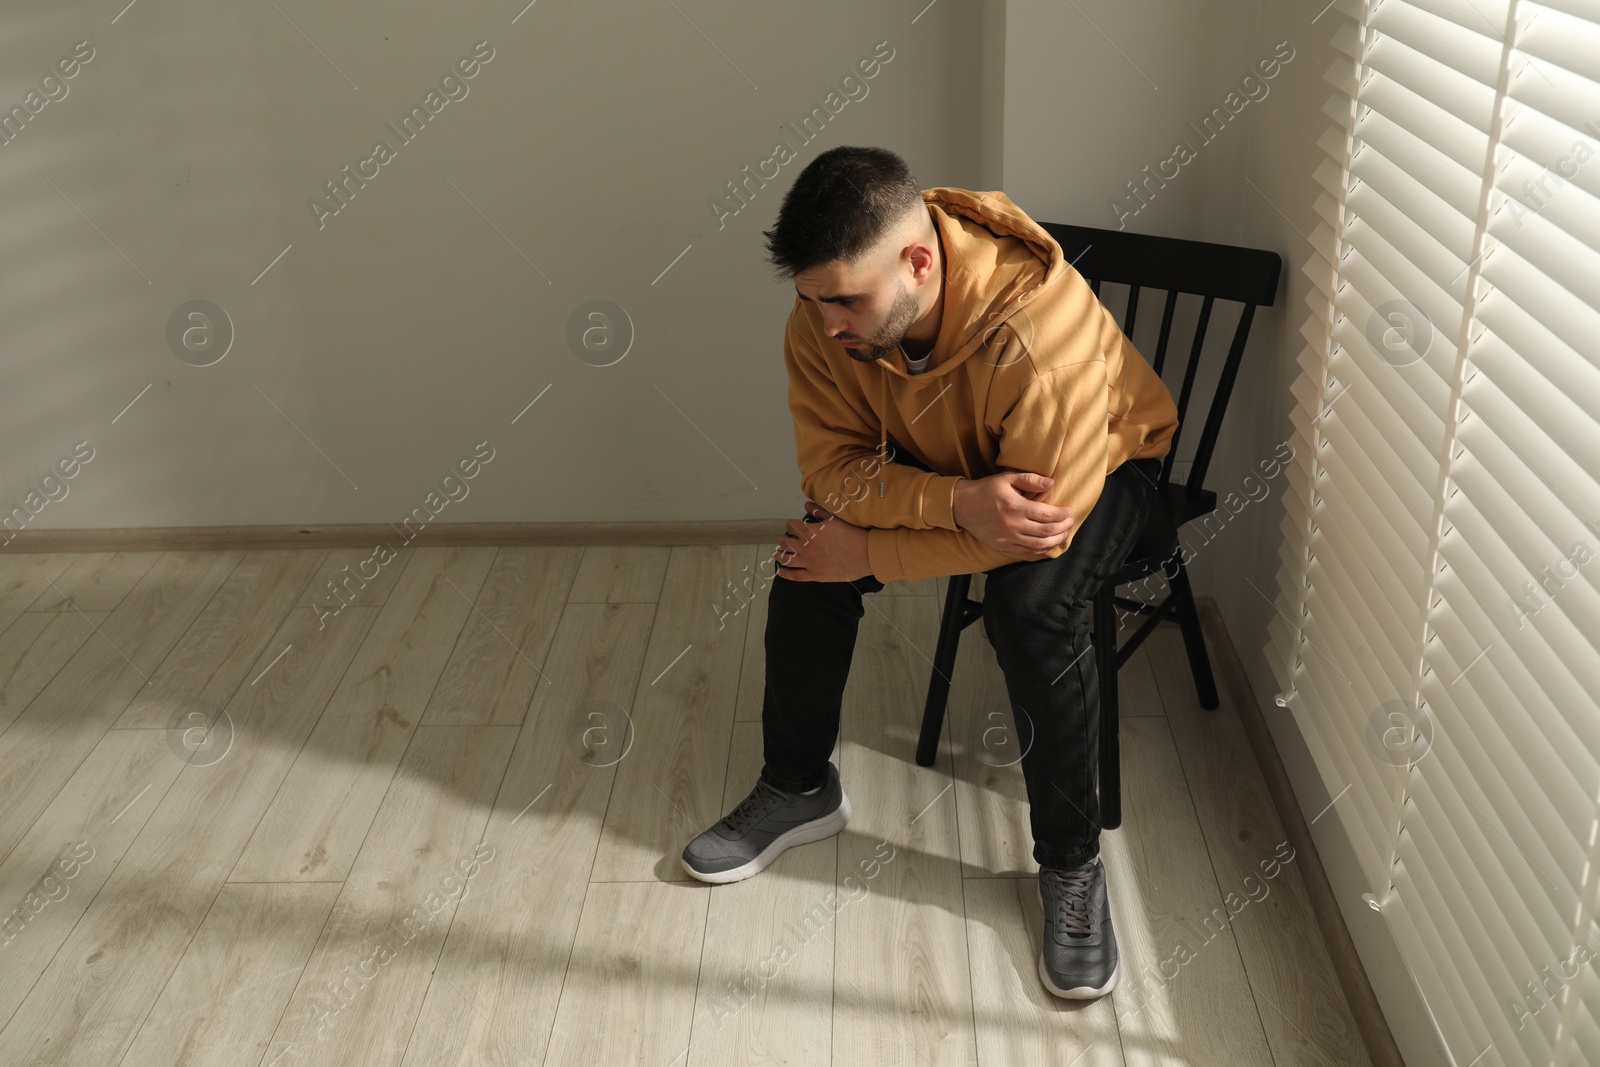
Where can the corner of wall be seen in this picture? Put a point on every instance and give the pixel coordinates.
(992, 96)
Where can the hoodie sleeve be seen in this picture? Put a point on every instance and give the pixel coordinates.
(838, 444)
(1058, 427)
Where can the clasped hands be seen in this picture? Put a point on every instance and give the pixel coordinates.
(996, 510)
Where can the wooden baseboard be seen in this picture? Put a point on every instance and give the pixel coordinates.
(1235, 686)
(367, 535)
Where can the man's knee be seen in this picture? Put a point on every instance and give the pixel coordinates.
(785, 586)
(1022, 604)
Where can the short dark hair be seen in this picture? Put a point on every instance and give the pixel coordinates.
(842, 204)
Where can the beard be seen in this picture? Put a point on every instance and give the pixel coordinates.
(901, 315)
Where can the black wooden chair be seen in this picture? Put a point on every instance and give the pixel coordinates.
(1213, 272)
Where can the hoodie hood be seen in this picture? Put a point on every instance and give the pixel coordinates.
(986, 282)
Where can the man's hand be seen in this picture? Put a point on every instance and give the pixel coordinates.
(995, 511)
(830, 550)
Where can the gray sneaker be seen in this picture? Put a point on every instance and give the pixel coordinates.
(765, 823)
(1079, 958)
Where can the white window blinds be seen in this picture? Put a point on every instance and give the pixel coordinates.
(1439, 597)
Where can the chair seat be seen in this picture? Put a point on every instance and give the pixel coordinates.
(1174, 505)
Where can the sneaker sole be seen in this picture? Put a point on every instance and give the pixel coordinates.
(804, 834)
(1081, 992)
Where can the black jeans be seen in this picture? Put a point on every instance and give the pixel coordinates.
(1033, 616)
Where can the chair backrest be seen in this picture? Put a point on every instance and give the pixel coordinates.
(1211, 271)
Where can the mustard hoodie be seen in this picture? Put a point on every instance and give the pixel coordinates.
(1030, 372)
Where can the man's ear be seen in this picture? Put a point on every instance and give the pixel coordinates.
(931, 240)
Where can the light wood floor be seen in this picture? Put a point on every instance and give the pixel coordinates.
(444, 828)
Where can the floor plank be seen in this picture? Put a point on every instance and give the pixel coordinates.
(100, 986)
(499, 978)
(33, 649)
(212, 659)
(1136, 682)
(902, 993)
(352, 576)
(58, 867)
(495, 666)
(1290, 974)
(24, 576)
(747, 597)
(629, 996)
(229, 989)
(358, 999)
(96, 581)
(45, 744)
(326, 804)
(1183, 993)
(683, 717)
(620, 574)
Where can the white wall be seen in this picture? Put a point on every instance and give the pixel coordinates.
(1097, 92)
(407, 328)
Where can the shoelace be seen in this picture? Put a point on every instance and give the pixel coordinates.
(1072, 906)
(755, 806)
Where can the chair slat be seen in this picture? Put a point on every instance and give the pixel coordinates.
(1166, 331)
(1189, 371)
(1219, 402)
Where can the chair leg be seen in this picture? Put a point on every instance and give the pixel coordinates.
(1105, 656)
(944, 665)
(1194, 640)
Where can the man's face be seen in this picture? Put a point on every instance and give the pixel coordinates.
(867, 306)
